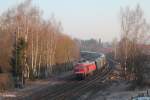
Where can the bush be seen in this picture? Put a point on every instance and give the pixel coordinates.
(6, 81)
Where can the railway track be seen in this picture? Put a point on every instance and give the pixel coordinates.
(72, 88)
(59, 89)
(76, 92)
(75, 89)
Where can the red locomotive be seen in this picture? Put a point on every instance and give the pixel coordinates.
(90, 62)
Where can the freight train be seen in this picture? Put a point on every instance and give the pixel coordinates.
(89, 63)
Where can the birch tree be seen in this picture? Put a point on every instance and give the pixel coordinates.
(134, 30)
(42, 37)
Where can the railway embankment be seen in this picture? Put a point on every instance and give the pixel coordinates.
(118, 90)
(32, 87)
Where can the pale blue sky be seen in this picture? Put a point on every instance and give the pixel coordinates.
(85, 18)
